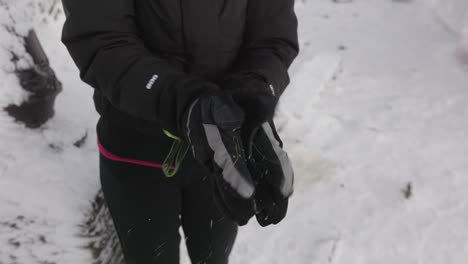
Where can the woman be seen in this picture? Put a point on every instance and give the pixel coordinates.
(204, 76)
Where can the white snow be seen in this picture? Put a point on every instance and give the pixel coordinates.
(46, 184)
(454, 14)
(378, 102)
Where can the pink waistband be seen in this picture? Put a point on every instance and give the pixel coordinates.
(114, 157)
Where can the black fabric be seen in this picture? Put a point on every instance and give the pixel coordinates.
(269, 43)
(147, 62)
(119, 45)
(221, 113)
(133, 144)
(148, 210)
(272, 207)
(104, 39)
(255, 96)
(267, 171)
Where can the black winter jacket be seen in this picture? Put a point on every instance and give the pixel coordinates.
(148, 59)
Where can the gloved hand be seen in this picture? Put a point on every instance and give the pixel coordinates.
(212, 126)
(268, 163)
(271, 170)
(257, 98)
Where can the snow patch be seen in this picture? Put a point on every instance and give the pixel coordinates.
(454, 14)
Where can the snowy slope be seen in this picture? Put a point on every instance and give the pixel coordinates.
(377, 104)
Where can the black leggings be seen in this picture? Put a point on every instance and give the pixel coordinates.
(148, 210)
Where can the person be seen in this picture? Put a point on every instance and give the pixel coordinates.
(186, 92)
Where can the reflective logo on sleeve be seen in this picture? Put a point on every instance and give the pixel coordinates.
(151, 82)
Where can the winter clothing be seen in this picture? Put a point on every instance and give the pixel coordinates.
(213, 128)
(256, 97)
(148, 210)
(271, 170)
(124, 47)
(151, 63)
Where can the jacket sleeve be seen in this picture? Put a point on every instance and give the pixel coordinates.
(103, 39)
(270, 43)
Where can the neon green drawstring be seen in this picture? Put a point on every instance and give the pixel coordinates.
(176, 155)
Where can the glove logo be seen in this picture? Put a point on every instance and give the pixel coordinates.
(272, 89)
(151, 82)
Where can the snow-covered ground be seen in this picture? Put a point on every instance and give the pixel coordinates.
(375, 120)
(454, 14)
(46, 183)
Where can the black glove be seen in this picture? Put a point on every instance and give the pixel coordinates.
(268, 163)
(257, 98)
(212, 126)
(271, 170)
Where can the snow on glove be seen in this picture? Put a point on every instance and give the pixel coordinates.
(272, 171)
(212, 128)
(256, 97)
